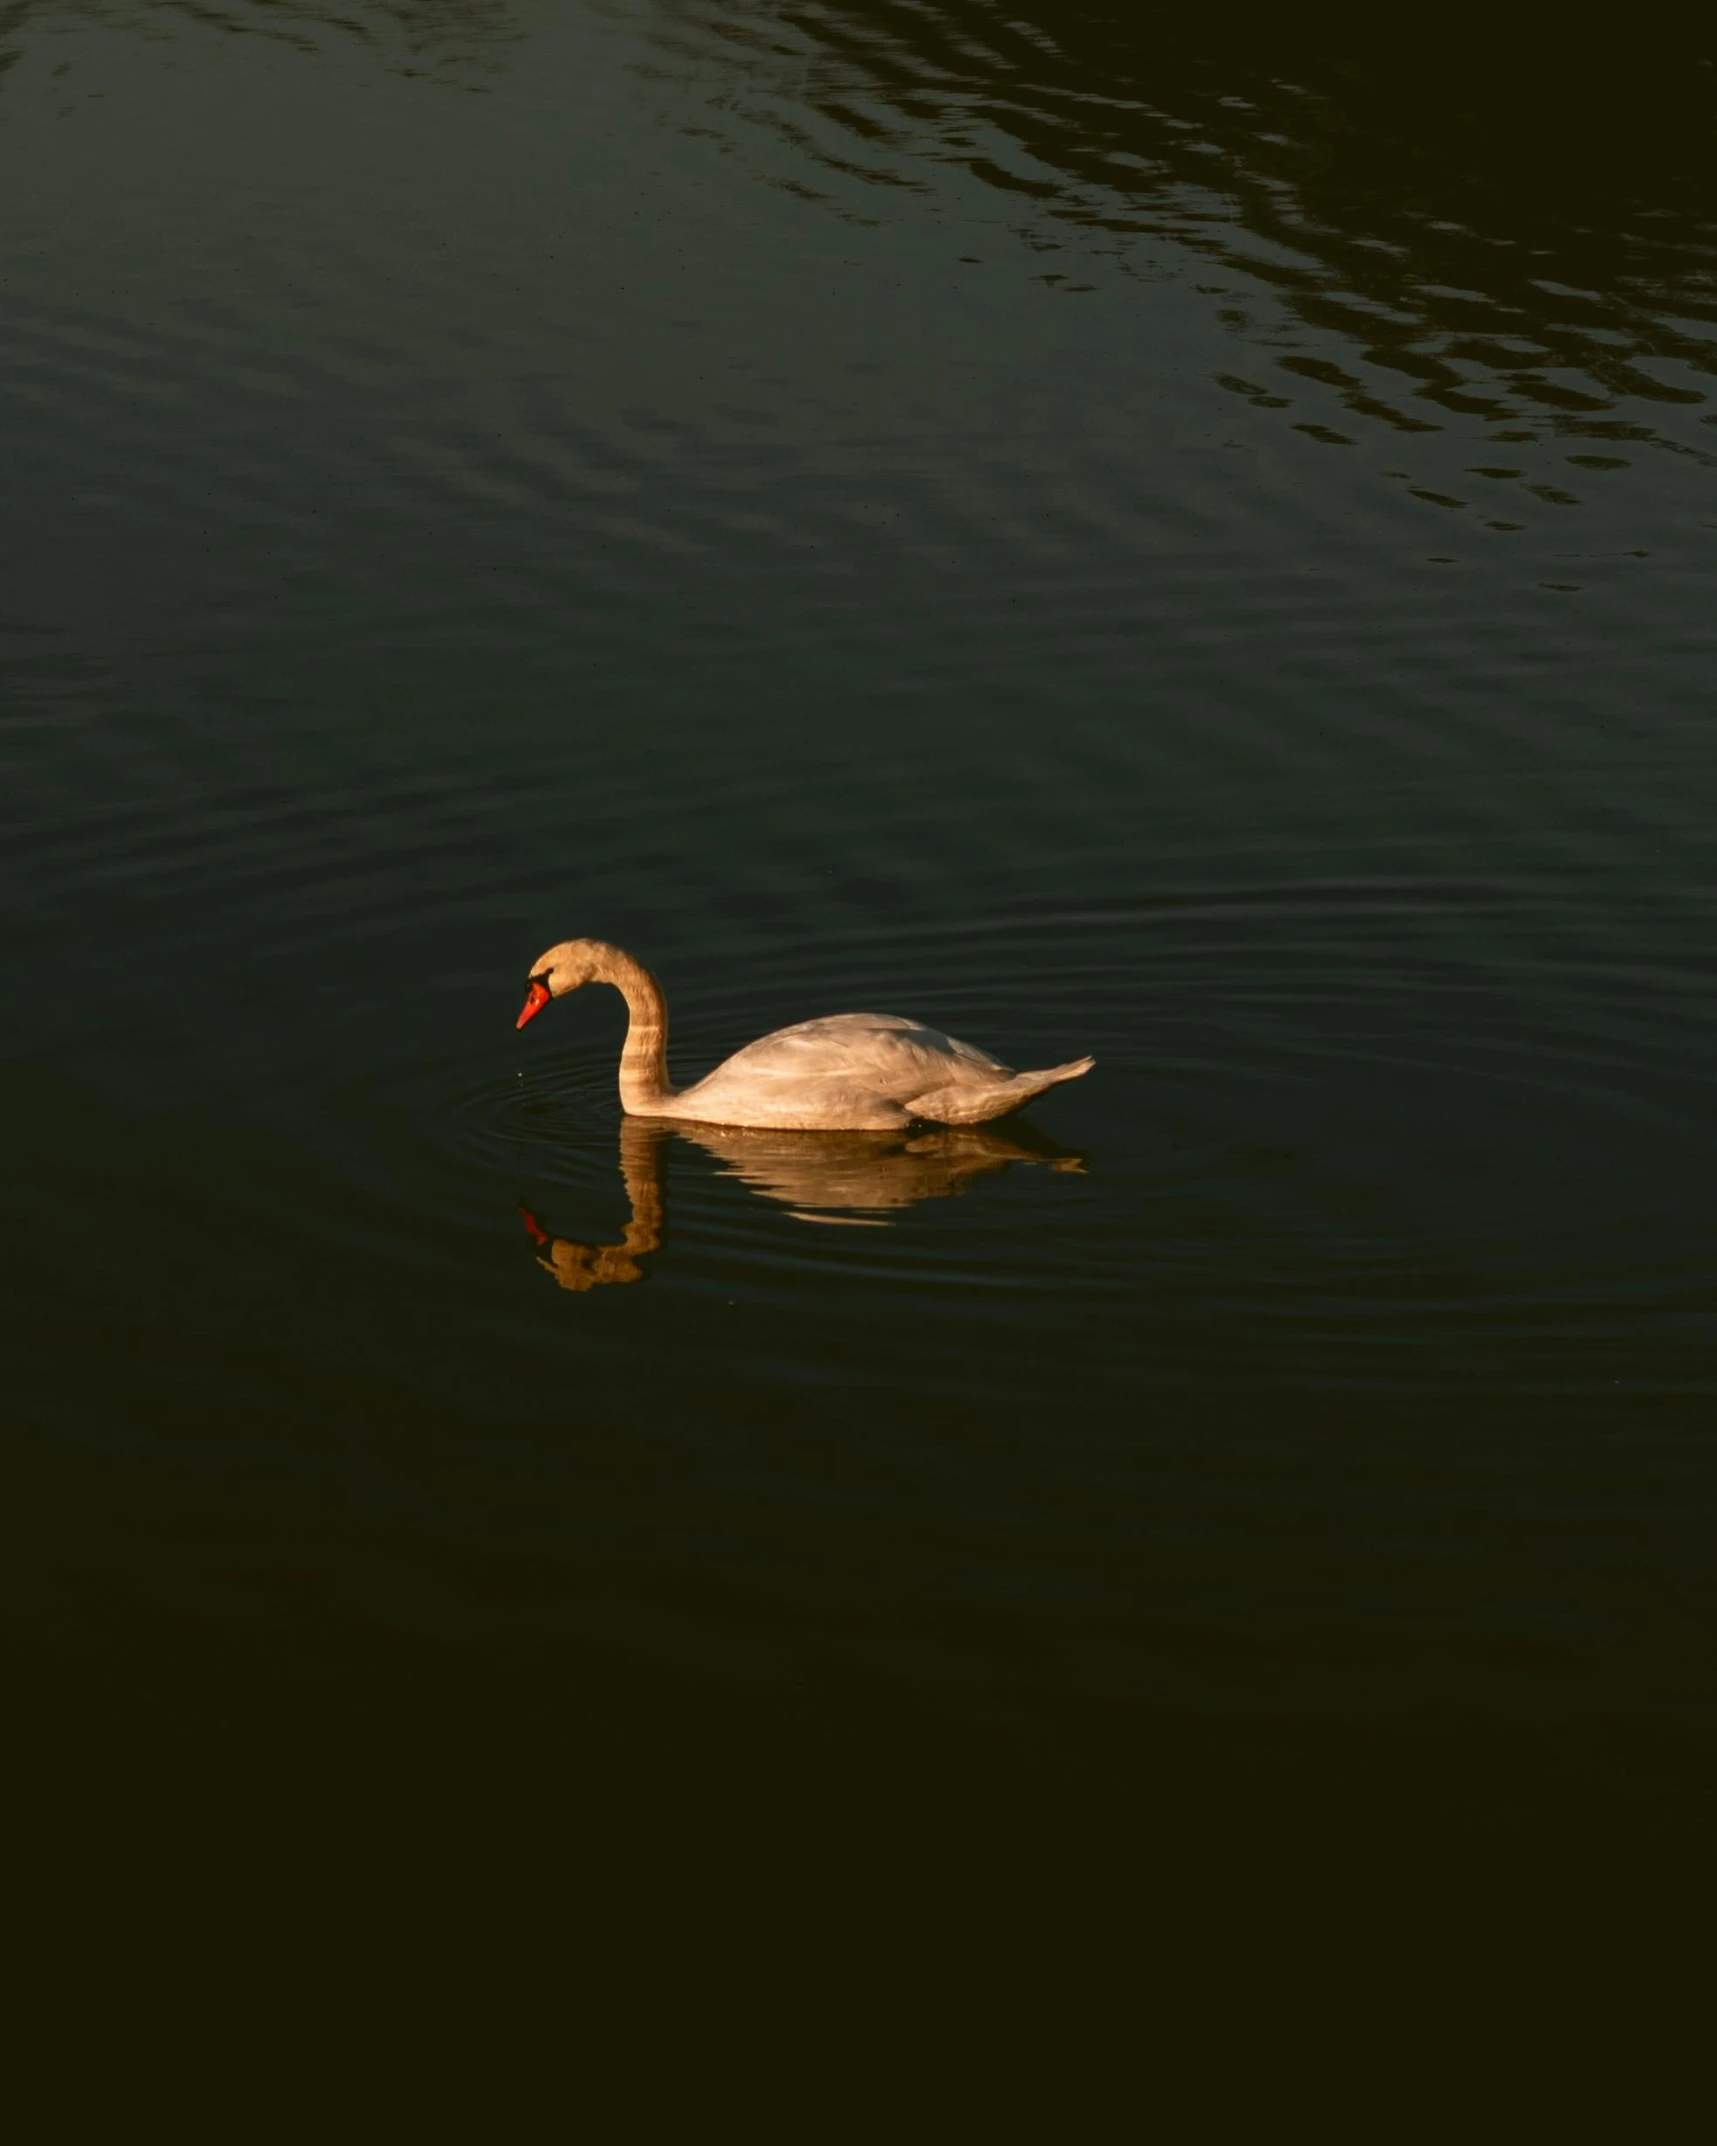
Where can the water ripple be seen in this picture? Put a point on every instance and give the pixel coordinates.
(1394, 275)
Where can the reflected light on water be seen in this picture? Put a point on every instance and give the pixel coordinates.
(860, 1179)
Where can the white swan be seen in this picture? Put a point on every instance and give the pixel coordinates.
(853, 1072)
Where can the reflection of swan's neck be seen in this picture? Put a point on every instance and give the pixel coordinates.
(586, 1266)
(644, 1056)
(641, 1168)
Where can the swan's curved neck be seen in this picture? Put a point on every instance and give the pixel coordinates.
(644, 1055)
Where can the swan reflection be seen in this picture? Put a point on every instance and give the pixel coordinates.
(860, 1179)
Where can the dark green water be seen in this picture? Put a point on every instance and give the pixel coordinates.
(1192, 551)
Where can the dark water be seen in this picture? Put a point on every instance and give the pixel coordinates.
(1196, 551)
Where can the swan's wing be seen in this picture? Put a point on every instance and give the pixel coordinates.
(971, 1101)
(882, 1046)
(852, 1069)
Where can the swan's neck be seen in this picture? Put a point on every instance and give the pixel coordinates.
(644, 1056)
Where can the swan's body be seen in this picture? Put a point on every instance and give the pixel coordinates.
(852, 1072)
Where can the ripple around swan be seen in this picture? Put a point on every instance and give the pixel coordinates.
(554, 1142)
(1314, 1107)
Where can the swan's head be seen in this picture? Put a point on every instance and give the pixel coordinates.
(562, 969)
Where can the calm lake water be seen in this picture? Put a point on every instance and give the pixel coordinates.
(1198, 553)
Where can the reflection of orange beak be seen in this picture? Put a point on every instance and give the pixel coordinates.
(534, 1004)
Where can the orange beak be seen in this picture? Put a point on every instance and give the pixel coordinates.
(534, 1004)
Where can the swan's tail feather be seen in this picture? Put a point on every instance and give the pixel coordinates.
(975, 1106)
(1070, 1071)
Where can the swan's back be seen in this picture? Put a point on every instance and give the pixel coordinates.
(883, 1044)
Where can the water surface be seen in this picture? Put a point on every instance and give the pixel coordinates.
(1191, 552)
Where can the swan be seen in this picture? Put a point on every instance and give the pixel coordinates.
(850, 1072)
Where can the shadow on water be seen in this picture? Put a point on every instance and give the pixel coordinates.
(861, 1179)
(1426, 233)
